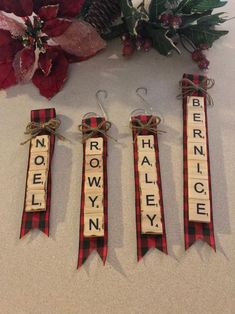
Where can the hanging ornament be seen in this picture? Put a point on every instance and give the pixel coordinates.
(37, 204)
(150, 222)
(198, 213)
(94, 194)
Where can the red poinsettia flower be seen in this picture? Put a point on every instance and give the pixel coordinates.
(41, 40)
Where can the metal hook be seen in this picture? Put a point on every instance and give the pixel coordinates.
(92, 114)
(97, 95)
(149, 107)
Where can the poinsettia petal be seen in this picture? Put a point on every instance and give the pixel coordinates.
(11, 25)
(68, 8)
(37, 4)
(45, 63)
(18, 7)
(81, 40)
(7, 75)
(25, 64)
(8, 46)
(52, 84)
(48, 12)
(56, 27)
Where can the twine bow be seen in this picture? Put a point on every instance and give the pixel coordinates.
(150, 126)
(35, 128)
(89, 131)
(188, 87)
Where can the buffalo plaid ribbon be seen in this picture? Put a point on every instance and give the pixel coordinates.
(147, 241)
(40, 220)
(88, 244)
(194, 231)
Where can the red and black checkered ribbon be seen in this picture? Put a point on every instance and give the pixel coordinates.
(40, 220)
(147, 241)
(89, 244)
(194, 231)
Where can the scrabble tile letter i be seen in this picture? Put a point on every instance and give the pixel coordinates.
(198, 221)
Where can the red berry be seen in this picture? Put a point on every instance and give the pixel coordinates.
(204, 64)
(139, 43)
(128, 42)
(197, 55)
(175, 21)
(128, 50)
(164, 18)
(125, 36)
(147, 44)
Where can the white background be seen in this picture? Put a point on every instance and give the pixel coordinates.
(38, 274)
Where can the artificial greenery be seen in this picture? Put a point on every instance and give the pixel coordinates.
(196, 22)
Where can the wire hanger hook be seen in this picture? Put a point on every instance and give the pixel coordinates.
(147, 104)
(99, 102)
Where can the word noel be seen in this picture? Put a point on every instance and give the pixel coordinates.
(148, 182)
(94, 188)
(36, 192)
(198, 174)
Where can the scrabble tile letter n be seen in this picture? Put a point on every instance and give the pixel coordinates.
(94, 200)
(198, 218)
(36, 212)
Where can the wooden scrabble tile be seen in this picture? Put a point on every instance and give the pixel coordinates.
(196, 117)
(145, 143)
(195, 102)
(197, 151)
(94, 182)
(40, 143)
(149, 200)
(39, 161)
(94, 146)
(94, 163)
(198, 188)
(196, 133)
(35, 201)
(198, 169)
(148, 179)
(151, 223)
(93, 225)
(199, 210)
(146, 161)
(93, 203)
(37, 180)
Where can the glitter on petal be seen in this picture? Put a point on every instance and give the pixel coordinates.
(81, 40)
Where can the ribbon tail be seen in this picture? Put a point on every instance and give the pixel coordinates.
(44, 230)
(23, 232)
(211, 244)
(102, 253)
(26, 231)
(202, 238)
(153, 247)
(83, 257)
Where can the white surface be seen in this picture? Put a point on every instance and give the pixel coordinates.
(38, 274)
